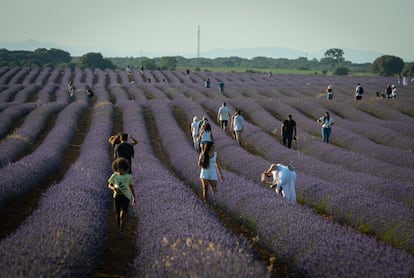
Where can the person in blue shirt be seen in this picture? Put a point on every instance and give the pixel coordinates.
(221, 87)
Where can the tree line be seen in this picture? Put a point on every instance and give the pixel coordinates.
(333, 62)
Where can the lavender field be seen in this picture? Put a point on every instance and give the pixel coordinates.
(355, 210)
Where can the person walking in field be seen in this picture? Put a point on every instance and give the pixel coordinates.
(288, 130)
(237, 124)
(359, 91)
(194, 133)
(388, 91)
(329, 92)
(394, 91)
(284, 179)
(125, 149)
(71, 89)
(326, 122)
(210, 170)
(88, 91)
(122, 186)
(205, 135)
(207, 83)
(223, 115)
(221, 86)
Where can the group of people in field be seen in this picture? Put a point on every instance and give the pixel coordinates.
(389, 92)
(279, 177)
(121, 182)
(72, 90)
(203, 142)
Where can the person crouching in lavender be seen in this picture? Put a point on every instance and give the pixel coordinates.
(284, 179)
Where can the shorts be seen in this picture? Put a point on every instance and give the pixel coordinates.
(121, 202)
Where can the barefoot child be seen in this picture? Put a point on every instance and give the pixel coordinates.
(121, 184)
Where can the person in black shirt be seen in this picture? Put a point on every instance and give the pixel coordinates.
(125, 149)
(288, 130)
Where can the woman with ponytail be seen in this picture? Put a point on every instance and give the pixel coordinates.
(210, 169)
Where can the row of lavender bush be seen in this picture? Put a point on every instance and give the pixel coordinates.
(65, 235)
(188, 85)
(342, 200)
(177, 235)
(24, 137)
(26, 173)
(325, 249)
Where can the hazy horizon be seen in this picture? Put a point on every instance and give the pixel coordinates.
(171, 27)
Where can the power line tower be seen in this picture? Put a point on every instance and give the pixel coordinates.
(198, 41)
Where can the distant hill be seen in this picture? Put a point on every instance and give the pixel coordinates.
(355, 56)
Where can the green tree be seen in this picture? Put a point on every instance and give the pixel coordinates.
(59, 56)
(333, 57)
(147, 63)
(387, 65)
(95, 60)
(168, 63)
(409, 69)
(336, 54)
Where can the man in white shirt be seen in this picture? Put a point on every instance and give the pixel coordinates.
(237, 123)
(194, 133)
(223, 115)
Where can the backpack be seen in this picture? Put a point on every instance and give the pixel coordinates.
(361, 90)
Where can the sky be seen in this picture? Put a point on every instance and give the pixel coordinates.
(169, 27)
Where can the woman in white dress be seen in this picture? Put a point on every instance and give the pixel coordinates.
(210, 169)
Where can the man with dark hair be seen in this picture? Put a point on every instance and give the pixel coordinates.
(223, 115)
(288, 130)
(125, 149)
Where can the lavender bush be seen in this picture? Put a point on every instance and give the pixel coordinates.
(177, 235)
(290, 242)
(26, 173)
(64, 236)
(354, 216)
(21, 139)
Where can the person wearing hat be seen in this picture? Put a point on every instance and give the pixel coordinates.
(329, 92)
(284, 179)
